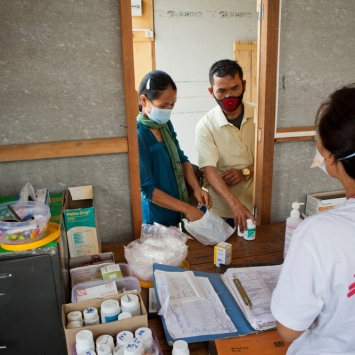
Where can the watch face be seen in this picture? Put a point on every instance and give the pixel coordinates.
(246, 172)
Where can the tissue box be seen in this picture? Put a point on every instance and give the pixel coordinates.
(80, 221)
(323, 201)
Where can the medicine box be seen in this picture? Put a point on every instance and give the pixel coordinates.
(323, 201)
(80, 221)
(112, 328)
(124, 284)
(222, 253)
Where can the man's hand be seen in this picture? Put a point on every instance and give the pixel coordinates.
(240, 215)
(203, 197)
(232, 177)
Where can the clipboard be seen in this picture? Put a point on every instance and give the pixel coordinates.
(232, 309)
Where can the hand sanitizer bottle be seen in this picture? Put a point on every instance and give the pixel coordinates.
(291, 223)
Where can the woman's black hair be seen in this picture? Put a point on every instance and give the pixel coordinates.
(153, 85)
(225, 67)
(335, 122)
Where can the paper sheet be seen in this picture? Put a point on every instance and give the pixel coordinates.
(258, 283)
(203, 316)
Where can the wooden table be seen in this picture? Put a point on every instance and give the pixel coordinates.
(266, 248)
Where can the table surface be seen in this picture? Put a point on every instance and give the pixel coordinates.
(266, 248)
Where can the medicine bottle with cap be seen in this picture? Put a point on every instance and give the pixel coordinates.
(110, 309)
(249, 234)
(103, 349)
(291, 224)
(84, 340)
(74, 316)
(130, 303)
(105, 340)
(146, 335)
(122, 339)
(91, 316)
(180, 347)
(134, 347)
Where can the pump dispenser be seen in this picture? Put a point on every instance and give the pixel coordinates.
(291, 223)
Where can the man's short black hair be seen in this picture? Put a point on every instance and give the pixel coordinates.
(225, 67)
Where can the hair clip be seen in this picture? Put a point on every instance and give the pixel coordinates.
(148, 84)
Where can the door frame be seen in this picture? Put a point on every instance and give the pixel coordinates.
(268, 59)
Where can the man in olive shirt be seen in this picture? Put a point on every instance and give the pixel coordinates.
(225, 141)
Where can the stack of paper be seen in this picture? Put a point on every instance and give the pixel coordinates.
(258, 284)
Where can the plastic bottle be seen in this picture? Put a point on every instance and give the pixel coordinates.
(180, 347)
(249, 234)
(291, 223)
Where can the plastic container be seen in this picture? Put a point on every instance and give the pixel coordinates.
(249, 234)
(105, 340)
(124, 338)
(103, 349)
(130, 303)
(74, 316)
(93, 273)
(180, 347)
(91, 316)
(291, 223)
(110, 309)
(134, 347)
(31, 230)
(84, 341)
(124, 315)
(123, 284)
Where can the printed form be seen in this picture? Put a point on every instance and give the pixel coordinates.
(190, 305)
(258, 283)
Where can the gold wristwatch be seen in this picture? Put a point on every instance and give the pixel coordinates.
(246, 172)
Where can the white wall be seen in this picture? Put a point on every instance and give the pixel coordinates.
(190, 35)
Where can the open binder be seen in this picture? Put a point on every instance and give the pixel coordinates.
(229, 301)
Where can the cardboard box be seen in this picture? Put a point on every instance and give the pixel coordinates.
(323, 201)
(222, 253)
(113, 328)
(80, 221)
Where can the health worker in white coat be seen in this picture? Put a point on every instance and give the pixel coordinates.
(314, 300)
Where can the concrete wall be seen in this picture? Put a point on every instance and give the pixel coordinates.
(316, 57)
(61, 79)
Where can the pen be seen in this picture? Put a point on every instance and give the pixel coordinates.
(242, 292)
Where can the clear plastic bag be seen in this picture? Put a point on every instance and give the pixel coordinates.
(210, 229)
(158, 244)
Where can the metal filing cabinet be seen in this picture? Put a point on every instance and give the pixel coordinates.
(31, 295)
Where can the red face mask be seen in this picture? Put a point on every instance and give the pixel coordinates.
(230, 103)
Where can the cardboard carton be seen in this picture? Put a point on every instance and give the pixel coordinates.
(113, 328)
(323, 201)
(80, 221)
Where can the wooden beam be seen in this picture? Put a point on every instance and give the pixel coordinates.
(269, 30)
(35, 151)
(131, 113)
(295, 129)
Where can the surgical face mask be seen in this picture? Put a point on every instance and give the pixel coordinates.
(159, 115)
(230, 103)
(319, 162)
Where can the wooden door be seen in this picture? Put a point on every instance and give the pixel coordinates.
(245, 53)
(143, 42)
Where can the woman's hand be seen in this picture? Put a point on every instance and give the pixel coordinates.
(193, 213)
(203, 197)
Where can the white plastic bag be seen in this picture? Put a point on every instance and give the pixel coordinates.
(210, 229)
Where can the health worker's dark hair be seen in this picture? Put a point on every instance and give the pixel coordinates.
(225, 67)
(153, 85)
(335, 122)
